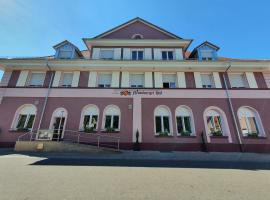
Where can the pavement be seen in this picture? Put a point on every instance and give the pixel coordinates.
(134, 175)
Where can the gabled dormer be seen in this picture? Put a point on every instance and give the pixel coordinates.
(67, 50)
(205, 51)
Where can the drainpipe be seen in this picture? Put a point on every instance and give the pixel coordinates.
(231, 107)
(47, 95)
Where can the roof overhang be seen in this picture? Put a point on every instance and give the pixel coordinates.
(184, 65)
(183, 43)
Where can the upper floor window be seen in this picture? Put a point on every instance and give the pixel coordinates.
(136, 80)
(67, 78)
(167, 55)
(169, 80)
(207, 54)
(137, 54)
(65, 53)
(106, 54)
(207, 81)
(238, 80)
(36, 79)
(104, 80)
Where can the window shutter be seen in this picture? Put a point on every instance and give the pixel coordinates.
(115, 79)
(148, 82)
(136, 79)
(251, 80)
(125, 79)
(92, 79)
(127, 54)
(117, 54)
(157, 54)
(198, 81)
(105, 79)
(178, 54)
(75, 80)
(22, 78)
(5, 78)
(56, 79)
(148, 54)
(181, 79)
(158, 79)
(217, 80)
(37, 79)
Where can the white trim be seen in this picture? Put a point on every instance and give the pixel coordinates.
(65, 114)
(148, 79)
(115, 79)
(22, 78)
(75, 79)
(170, 119)
(224, 123)
(56, 80)
(92, 80)
(257, 118)
(251, 80)
(181, 79)
(125, 79)
(104, 116)
(192, 123)
(83, 114)
(198, 80)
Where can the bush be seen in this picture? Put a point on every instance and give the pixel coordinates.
(89, 130)
(185, 133)
(110, 130)
(217, 133)
(253, 135)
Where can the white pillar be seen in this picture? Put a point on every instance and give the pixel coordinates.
(22, 78)
(137, 118)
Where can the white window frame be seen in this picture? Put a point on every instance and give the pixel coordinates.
(109, 49)
(258, 121)
(136, 50)
(211, 79)
(192, 124)
(104, 85)
(164, 74)
(244, 79)
(167, 56)
(30, 78)
(18, 112)
(62, 79)
(83, 114)
(169, 115)
(55, 114)
(137, 85)
(116, 114)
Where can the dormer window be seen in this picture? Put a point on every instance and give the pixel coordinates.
(137, 36)
(207, 54)
(65, 53)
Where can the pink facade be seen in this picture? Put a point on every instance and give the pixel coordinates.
(166, 83)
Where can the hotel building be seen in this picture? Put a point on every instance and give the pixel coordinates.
(139, 83)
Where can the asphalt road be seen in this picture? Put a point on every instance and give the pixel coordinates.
(28, 177)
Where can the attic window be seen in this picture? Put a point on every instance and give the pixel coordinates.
(137, 36)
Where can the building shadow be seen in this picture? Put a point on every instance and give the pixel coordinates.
(241, 165)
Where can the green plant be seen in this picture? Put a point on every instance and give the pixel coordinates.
(216, 133)
(163, 134)
(110, 129)
(253, 135)
(185, 133)
(22, 129)
(89, 129)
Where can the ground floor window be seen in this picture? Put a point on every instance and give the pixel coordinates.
(89, 118)
(111, 118)
(24, 118)
(184, 121)
(162, 121)
(214, 123)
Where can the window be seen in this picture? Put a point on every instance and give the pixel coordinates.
(184, 121)
(207, 54)
(207, 81)
(24, 118)
(238, 81)
(167, 55)
(136, 80)
(250, 122)
(137, 36)
(169, 80)
(111, 118)
(104, 80)
(106, 54)
(162, 121)
(36, 79)
(58, 123)
(89, 118)
(137, 55)
(67, 79)
(65, 53)
(214, 123)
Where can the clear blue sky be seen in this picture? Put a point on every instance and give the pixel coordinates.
(31, 27)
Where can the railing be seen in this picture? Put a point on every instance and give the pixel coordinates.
(28, 136)
(95, 139)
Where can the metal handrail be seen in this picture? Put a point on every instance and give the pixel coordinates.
(29, 132)
(98, 137)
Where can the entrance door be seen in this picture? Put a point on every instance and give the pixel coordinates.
(58, 127)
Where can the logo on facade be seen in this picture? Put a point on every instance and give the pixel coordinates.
(140, 92)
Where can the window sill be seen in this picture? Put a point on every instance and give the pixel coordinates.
(252, 137)
(161, 136)
(18, 131)
(104, 131)
(222, 136)
(186, 136)
(82, 131)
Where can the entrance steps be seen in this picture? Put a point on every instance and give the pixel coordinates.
(61, 146)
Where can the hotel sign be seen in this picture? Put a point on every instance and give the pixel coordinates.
(138, 92)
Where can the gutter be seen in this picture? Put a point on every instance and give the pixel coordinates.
(231, 108)
(47, 96)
